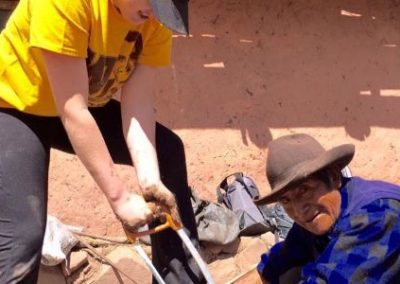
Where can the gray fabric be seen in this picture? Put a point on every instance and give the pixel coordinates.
(239, 196)
(277, 216)
(216, 224)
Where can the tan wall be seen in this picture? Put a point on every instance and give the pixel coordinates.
(253, 70)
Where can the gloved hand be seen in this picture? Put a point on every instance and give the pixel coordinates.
(164, 198)
(133, 211)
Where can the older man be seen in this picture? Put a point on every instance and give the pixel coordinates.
(346, 229)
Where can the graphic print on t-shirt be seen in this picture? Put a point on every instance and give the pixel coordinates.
(108, 73)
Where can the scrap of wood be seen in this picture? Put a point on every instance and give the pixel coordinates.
(249, 276)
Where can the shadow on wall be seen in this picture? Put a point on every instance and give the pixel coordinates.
(256, 65)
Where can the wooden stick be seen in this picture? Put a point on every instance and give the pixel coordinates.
(106, 259)
(117, 240)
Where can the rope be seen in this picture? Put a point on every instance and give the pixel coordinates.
(103, 257)
(116, 240)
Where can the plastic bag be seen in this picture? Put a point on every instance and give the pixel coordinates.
(58, 242)
(216, 224)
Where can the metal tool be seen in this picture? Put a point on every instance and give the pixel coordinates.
(177, 227)
(148, 262)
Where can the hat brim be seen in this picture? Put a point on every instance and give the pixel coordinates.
(340, 156)
(172, 14)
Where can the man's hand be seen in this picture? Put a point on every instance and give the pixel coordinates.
(133, 211)
(162, 197)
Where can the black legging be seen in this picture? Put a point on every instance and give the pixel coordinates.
(25, 142)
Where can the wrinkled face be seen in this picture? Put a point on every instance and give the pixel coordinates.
(134, 11)
(313, 205)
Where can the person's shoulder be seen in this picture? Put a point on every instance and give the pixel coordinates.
(366, 202)
(154, 28)
(372, 182)
(61, 10)
(359, 192)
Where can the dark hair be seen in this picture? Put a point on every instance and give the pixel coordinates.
(325, 175)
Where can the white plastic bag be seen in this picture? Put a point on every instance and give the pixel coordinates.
(58, 242)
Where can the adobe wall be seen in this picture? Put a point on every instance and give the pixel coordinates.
(253, 70)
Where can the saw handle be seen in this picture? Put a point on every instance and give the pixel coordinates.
(161, 214)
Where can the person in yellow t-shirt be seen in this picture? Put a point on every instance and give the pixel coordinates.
(61, 64)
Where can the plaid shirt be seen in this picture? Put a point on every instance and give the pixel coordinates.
(362, 247)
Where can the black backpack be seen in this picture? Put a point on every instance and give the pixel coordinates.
(238, 195)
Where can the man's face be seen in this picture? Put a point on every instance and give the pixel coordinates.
(313, 205)
(134, 11)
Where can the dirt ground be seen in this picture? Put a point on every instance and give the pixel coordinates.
(253, 70)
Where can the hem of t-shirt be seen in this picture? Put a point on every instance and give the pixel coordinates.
(61, 50)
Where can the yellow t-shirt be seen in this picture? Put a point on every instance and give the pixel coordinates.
(91, 29)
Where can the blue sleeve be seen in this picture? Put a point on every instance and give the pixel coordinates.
(266, 267)
(295, 251)
(366, 248)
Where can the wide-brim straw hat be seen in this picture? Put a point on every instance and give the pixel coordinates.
(292, 158)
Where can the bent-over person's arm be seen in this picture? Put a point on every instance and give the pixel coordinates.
(138, 119)
(69, 83)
